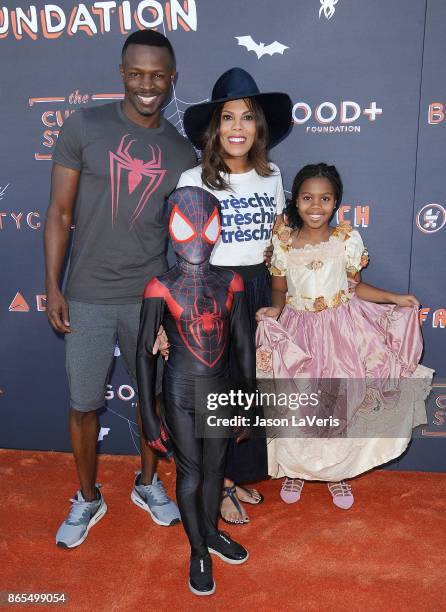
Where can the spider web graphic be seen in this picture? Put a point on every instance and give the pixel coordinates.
(133, 429)
(174, 110)
(3, 190)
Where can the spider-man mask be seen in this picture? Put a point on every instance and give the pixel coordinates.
(194, 223)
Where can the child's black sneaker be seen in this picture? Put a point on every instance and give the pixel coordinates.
(201, 581)
(224, 547)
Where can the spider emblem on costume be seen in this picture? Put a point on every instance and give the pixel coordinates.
(200, 309)
(122, 160)
(206, 317)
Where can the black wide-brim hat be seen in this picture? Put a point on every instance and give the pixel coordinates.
(236, 84)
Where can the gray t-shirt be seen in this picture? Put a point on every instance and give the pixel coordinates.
(120, 218)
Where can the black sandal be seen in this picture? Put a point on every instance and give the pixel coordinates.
(230, 492)
(248, 492)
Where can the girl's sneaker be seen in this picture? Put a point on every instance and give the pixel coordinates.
(291, 490)
(342, 494)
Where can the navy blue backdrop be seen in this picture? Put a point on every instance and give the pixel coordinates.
(368, 83)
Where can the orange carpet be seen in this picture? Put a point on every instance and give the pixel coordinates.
(386, 554)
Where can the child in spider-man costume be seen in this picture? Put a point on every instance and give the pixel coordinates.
(203, 310)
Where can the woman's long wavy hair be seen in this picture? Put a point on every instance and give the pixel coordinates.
(312, 171)
(213, 163)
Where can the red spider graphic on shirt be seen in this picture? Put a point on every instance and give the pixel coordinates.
(136, 168)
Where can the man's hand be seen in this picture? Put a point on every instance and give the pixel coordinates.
(58, 311)
(64, 183)
(267, 255)
(405, 300)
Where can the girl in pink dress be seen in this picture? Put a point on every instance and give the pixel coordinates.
(324, 323)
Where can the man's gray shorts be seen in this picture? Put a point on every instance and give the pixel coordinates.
(90, 348)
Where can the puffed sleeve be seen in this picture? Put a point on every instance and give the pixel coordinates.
(281, 240)
(357, 256)
(279, 193)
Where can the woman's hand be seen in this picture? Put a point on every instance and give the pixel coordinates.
(267, 255)
(268, 311)
(405, 300)
(161, 344)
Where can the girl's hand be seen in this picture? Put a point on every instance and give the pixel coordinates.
(268, 311)
(405, 300)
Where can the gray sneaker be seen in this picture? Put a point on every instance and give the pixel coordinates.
(83, 515)
(153, 498)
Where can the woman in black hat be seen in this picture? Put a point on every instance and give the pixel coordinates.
(234, 131)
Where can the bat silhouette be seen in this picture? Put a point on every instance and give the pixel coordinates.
(102, 433)
(260, 49)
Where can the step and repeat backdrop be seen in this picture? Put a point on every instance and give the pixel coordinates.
(368, 84)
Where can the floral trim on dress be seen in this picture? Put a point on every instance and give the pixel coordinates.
(315, 265)
(264, 359)
(341, 297)
(283, 233)
(276, 271)
(322, 303)
(343, 230)
(364, 258)
(364, 262)
(281, 243)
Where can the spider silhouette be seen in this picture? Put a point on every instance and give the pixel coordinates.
(137, 168)
(205, 322)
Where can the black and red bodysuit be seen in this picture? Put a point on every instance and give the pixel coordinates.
(203, 310)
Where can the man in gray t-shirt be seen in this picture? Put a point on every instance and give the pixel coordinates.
(114, 165)
(126, 172)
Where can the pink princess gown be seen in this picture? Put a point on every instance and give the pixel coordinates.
(326, 332)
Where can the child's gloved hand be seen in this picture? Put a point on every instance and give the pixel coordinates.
(162, 446)
(268, 311)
